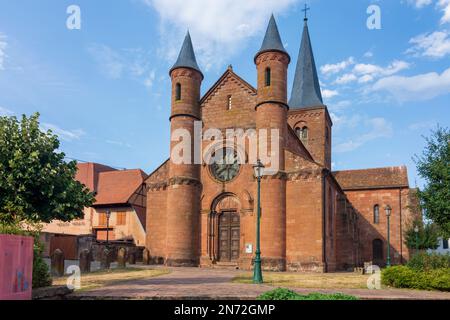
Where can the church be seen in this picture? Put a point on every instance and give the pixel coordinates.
(312, 219)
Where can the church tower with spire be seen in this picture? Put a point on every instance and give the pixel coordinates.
(184, 183)
(272, 63)
(308, 115)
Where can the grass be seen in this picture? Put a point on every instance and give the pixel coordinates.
(285, 294)
(310, 280)
(103, 278)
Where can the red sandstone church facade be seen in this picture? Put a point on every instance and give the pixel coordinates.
(313, 219)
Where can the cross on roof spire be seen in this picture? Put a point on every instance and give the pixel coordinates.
(306, 11)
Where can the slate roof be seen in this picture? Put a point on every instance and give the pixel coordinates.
(378, 178)
(186, 58)
(272, 40)
(306, 89)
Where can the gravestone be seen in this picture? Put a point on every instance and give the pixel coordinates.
(85, 261)
(121, 258)
(57, 263)
(146, 257)
(105, 262)
(131, 256)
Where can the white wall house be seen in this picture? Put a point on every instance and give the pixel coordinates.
(443, 247)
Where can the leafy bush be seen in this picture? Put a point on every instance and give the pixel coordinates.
(424, 261)
(406, 277)
(285, 294)
(41, 274)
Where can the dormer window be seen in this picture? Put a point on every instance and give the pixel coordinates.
(178, 92)
(268, 77)
(304, 134)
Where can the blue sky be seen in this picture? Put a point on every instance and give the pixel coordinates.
(105, 88)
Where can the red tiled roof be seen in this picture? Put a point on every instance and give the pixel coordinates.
(112, 186)
(391, 177)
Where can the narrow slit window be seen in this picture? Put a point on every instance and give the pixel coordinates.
(229, 103)
(376, 214)
(268, 77)
(178, 92)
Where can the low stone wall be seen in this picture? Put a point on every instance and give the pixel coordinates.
(51, 293)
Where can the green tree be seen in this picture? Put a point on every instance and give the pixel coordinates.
(426, 238)
(36, 184)
(434, 166)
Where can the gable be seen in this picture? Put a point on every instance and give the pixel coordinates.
(215, 104)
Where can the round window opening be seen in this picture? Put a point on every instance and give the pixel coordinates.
(226, 165)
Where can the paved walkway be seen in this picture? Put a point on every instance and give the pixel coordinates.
(197, 284)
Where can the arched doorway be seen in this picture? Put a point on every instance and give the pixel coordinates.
(224, 229)
(377, 252)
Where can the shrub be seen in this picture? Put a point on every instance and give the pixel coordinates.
(406, 277)
(285, 294)
(424, 261)
(41, 274)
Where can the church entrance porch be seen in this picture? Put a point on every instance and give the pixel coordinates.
(229, 236)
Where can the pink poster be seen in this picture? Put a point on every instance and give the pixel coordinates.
(16, 267)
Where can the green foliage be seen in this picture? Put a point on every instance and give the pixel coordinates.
(425, 261)
(427, 237)
(36, 184)
(285, 294)
(434, 166)
(405, 277)
(41, 274)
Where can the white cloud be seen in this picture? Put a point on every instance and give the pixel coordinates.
(375, 70)
(379, 128)
(328, 94)
(218, 28)
(118, 143)
(365, 78)
(346, 78)
(368, 54)
(435, 45)
(6, 112)
(422, 125)
(3, 45)
(109, 61)
(420, 3)
(115, 64)
(445, 7)
(66, 135)
(419, 87)
(338, 67)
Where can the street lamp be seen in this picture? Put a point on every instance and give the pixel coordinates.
(257, 273)
(416, 230)
(388, 210)
(108, 216)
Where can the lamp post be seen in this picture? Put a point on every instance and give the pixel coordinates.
(416, 230)
(257, 273)
(108, 216)
(388, 215)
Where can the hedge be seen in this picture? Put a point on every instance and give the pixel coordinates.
(406, 277)
(285, 294)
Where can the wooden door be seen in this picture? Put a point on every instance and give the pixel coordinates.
(229, 236)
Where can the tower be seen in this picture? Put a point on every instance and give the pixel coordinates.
(184, 186)
(308, 115)
(272, 62)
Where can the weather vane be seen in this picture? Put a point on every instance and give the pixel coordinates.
(306, 11)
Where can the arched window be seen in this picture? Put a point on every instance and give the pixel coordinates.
(298, 132)
(376, 214)
(377, 251)
(268, 77)
(178, 92)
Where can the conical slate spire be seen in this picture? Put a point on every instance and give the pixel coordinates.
(186, 58)
(272, 40)
(306, 90)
